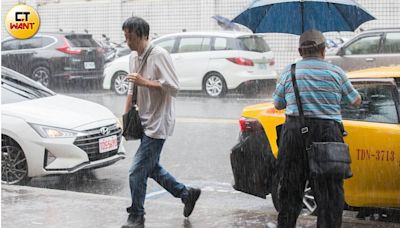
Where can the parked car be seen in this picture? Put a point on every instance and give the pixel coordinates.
(112, 49)
(373, 135)
(370, 48)
(214, 62)
(51, 57)
(44, 133)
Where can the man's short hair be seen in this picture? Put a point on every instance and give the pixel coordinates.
(311, 42)
(137, 25)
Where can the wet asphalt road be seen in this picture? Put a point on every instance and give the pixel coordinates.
(197, 154)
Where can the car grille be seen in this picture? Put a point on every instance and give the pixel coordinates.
(90, 143)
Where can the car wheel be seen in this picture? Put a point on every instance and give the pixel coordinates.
(214, 85)
(119, 83)
(309, 203)
(42, 74)
(14, 167)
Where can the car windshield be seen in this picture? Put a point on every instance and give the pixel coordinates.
(253, 43)
(16, 88)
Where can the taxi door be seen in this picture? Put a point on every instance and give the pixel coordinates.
(373, 135)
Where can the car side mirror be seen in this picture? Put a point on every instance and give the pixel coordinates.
(341, 52)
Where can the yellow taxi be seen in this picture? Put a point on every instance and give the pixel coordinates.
(373, 135)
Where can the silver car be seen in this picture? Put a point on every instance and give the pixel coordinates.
(371, 48)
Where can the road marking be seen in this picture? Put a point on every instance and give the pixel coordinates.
(150, 195)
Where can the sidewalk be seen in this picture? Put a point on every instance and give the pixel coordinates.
(36, 207)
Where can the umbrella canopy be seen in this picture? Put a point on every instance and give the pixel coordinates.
(297, 16)
(225, 23)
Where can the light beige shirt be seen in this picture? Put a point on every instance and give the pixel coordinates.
(156, 106)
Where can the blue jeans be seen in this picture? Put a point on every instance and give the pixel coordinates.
(146, 164)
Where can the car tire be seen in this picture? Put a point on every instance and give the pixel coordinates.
(119, 83)
(214, 85)
(309, 203)
(14, 167)
(42, 74)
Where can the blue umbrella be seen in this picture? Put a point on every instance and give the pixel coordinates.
(225, 23)
(297, 16)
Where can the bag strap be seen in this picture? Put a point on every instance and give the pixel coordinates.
(144, 61)
(304, 128)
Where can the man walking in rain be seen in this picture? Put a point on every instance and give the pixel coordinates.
(322, 86)
(157, 87)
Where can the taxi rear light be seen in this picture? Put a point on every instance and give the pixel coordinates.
(248, 124)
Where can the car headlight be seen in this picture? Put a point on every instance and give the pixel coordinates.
(54, 132)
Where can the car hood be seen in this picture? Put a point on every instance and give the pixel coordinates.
(58, 111)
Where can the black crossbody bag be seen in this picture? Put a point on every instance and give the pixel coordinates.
(324, 158)
(132, 125)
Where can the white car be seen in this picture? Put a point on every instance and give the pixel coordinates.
(45, 133)
(214, 62)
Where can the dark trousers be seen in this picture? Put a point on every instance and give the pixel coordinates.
(293, 172)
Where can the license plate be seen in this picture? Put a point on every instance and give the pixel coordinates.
(262, 66)
(108, 144)
(89, 65)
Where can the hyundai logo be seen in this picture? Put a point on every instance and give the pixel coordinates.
(104, 131)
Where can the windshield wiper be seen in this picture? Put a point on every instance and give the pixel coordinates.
(20, 94)
(31, 92)
(27, 85)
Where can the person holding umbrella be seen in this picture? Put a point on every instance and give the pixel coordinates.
(322, 87)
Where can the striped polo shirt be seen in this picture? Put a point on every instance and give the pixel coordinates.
(322, 87)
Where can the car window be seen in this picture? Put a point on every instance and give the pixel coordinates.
(366, 45)
(47, 41)
(82, 41)
(166, 44)
(253, 43)
(10, 45)
(35, 42)
(220, 43)
(377, 105)
(206, 44)
(190, 44)
(392, 43)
